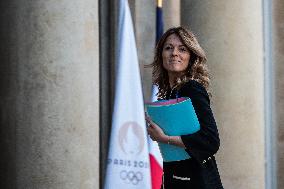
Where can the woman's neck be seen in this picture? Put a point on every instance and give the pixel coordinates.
(173, 77)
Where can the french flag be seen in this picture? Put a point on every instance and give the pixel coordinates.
(128, 160)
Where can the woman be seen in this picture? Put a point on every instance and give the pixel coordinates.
(179, 70)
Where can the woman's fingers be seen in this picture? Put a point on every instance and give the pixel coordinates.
(153, 129)
(148, 119)
(151, 134)
(146, 116)
(150, 130)
(149, 122)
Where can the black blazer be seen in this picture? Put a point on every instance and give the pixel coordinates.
(200, 171)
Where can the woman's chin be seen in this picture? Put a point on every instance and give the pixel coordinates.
(176, 69)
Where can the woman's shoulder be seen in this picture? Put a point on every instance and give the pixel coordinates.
(193, 84)
(194, 87)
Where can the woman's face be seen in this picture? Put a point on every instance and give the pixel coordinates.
(175, 55)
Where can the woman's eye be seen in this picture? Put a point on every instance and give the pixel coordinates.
(168, 47)
(183, 49)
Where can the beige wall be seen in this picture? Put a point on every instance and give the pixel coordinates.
(51, 102)
(231, 33)
(278, 54)
(144, 17)
(171, 11)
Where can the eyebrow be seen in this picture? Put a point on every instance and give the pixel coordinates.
(172, 44)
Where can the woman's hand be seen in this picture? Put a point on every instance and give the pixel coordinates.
(155, 132)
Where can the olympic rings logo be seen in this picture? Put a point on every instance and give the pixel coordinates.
(131, 176)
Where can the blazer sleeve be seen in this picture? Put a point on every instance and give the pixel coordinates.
(204, 143)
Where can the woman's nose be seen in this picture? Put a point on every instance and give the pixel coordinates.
(175, 51)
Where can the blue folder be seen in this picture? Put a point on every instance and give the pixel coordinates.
(176, 117)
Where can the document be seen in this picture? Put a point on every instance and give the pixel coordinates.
(176, 117)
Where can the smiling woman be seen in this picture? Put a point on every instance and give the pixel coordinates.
(175, 57)
(178, 44)
(179, 70)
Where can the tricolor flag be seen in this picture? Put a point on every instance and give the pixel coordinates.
(128, 163)
(156, 160)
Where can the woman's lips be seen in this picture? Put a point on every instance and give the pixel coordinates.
(174, 61)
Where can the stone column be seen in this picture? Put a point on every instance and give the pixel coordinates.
(49, 94)
(278, 56)
(144, 20)
(171, 10)
(231, 34)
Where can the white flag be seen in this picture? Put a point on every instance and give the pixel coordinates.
(128, 159)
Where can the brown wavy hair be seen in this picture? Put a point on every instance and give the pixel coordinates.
(197, 69)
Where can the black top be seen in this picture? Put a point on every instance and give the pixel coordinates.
(201, 146)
